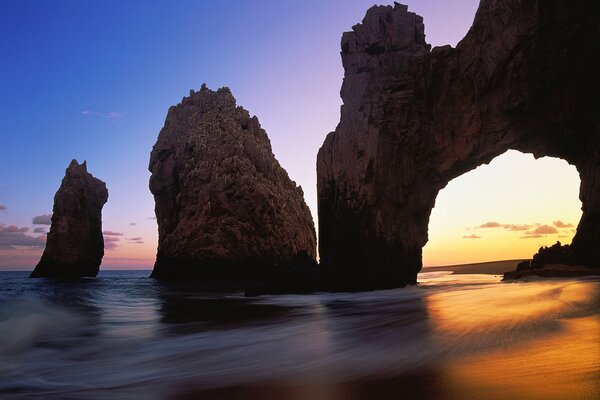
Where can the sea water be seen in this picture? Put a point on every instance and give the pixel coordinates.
(123, 335)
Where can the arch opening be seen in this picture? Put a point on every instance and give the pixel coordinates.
(504, 210)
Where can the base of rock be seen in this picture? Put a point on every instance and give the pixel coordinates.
(254, 276)
(64, 271)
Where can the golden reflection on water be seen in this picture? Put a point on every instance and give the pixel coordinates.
(535, 341)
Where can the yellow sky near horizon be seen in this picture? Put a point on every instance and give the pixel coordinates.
(505, 210)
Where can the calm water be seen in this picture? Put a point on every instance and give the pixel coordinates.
(123, 335)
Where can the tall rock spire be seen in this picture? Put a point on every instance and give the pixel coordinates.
(75, 245)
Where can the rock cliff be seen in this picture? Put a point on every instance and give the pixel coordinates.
(226, 210)
(524, 77)
(75, 245)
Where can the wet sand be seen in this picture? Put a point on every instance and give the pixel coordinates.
(560, 367)
(560, 361)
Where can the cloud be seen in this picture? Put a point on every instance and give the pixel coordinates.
(42, 220)
(39, 230)
(133, 224)
(472, 237)
(110, 242)
(113, 116)
(514, 227)
(151, 217)
(531, 236)
(560, 224)
(133, 239)
(12, 236)
(110, 246)
(3, 207)
(138, 242)
(20, 258)
(12, 229)
(491, 224)
(111, 233)
(543, 230)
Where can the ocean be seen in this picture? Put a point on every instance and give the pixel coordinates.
(123, 335)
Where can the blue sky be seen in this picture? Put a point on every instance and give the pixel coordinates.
(93, 81)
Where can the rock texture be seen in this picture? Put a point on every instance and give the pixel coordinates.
(75, 245)
(226, 210)
(525, 77)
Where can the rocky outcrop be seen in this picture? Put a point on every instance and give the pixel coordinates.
(226, 210)
(413, 119)
(75, 245)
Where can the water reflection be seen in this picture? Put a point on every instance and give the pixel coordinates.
(451, 337)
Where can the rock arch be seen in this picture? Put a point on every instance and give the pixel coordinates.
(525, 77)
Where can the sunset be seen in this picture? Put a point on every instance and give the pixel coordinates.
(299, 199)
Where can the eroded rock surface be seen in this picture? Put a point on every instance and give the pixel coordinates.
(226, 210)
(75, 245)
(413, 119)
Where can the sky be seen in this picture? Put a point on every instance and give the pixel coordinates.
(94, 80)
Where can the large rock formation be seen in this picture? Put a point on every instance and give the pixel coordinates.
(226, 210)
(525, 77)
(75, 245)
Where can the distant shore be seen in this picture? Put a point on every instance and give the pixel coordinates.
(508, 268)
(488, 267)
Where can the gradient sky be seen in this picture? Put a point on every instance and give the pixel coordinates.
(93, 81)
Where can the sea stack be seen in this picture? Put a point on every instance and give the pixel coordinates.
(413, 119)
(75, 245)
(227, 212)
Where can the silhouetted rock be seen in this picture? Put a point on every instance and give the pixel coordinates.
(524, 265)
(413, 119)
(226, 210)
(75, 245)
(555, 254)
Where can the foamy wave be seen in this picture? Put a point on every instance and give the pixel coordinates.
(25, 322)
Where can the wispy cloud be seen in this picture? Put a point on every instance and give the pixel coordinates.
(472, 237)
(12, 229)
(543, 230)
(532, 236)
(110, 246)
(491, 224)
(110, 242)
(113, 116)
(560, 224)
(3, 207)
(41, 229)
(111, 233)
(514, 227)
(133, 239)
(133, 224)
(12, 236)
(42, 220)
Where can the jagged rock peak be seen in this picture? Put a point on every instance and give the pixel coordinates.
(75, 245)
(226, 210)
